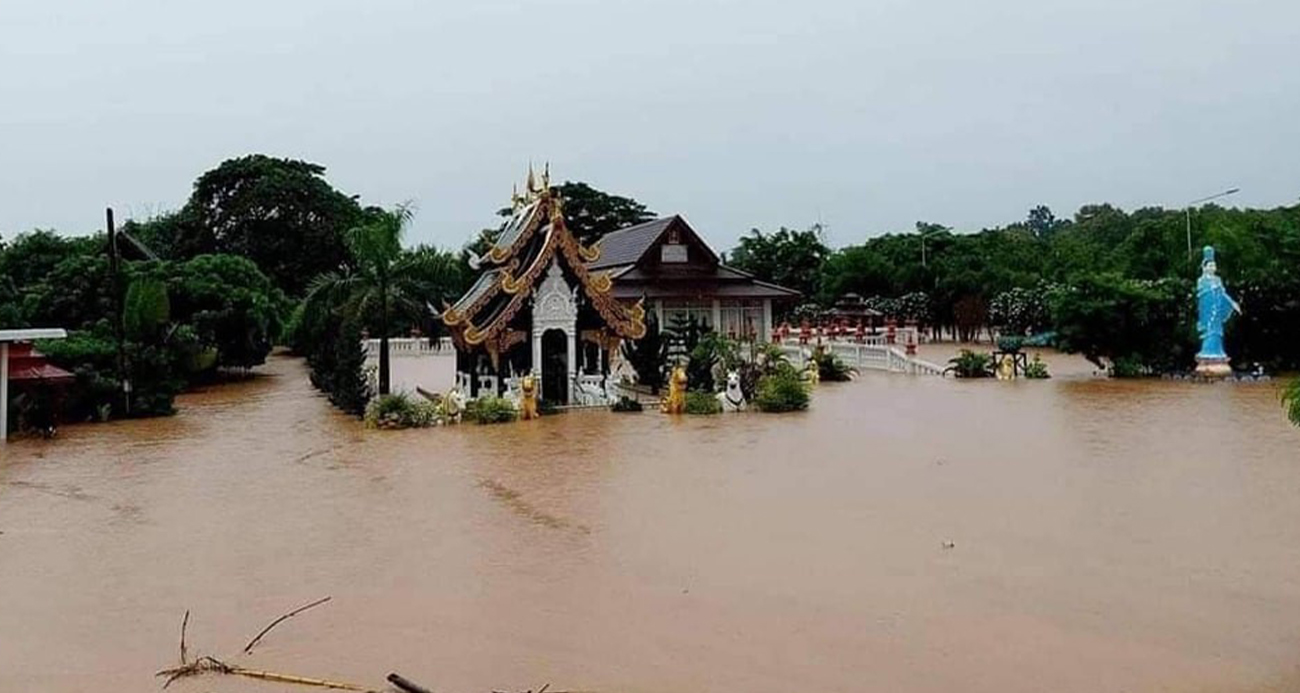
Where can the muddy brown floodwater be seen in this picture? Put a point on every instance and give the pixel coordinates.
(906, 534)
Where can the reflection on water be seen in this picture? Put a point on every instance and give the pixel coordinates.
(905, 535)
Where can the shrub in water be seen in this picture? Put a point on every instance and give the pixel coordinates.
(399, 411)
(626, 404)
(490, 410)
(1127, 367)
(1291, 398)
(782, 390)
(702, 403)
(830, 368)
(969, 364)
(1036, 369)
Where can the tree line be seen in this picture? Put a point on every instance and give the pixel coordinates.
(1113, 285)
(266, 251)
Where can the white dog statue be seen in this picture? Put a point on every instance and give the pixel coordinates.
(732, 399)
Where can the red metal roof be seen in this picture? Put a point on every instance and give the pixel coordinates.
(26, 363)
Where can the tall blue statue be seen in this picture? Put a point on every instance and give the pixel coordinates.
(1214, 307)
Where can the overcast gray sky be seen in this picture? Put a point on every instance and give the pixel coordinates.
(869, 114)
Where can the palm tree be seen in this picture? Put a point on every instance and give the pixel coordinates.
(380, 281)
(1291, 398)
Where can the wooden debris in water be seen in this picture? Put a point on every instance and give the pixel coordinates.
(249, 647)
(206, 664)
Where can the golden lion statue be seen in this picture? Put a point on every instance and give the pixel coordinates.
(528, 397)
(675, 401)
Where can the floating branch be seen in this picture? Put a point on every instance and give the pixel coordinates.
(205, 665)
(184, 624)
(249, 647)
(406, 684)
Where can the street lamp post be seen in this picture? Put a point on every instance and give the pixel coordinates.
(923, 234)
(1188, 211)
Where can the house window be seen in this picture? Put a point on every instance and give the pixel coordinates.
(678, 313)
(669, 252)
(741, 319)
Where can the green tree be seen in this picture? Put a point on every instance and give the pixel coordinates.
(280, 213)
(1129, 325)
(591, 214)
(379, 282)
(1041, 222)
(787, 257)
(147, 307)
(230, 305)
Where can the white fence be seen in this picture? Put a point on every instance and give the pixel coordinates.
(869, 355)
(409, 346)
(873, 353)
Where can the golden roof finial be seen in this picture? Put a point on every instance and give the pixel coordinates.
(546, 176)
(532, 181)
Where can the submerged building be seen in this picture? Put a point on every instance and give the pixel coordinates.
(547, 304)
(538, 307)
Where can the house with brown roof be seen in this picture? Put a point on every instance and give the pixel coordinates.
(667, 264)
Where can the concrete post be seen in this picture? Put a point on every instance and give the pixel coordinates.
(572, 364)
(4, 391)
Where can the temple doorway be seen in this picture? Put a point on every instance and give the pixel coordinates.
(555, 366)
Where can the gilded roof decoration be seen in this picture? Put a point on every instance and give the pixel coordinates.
(535, 235)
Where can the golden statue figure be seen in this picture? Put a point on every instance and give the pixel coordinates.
(675, 401)
(1007, 368)
(528, 397)
(812, 373)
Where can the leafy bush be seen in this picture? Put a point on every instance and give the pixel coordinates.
(489, 410)
(832, 368)
(1127, 367)
(1138, 326)
(626, 404)
(702, 403)
(546, 407)
(1036, 369)
(155, 372)
(399, 411)
(1291, 397)
(969, 364)
(782, 390)
(344, 378)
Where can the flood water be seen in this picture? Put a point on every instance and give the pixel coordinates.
(906, 534)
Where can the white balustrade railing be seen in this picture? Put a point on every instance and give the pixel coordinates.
(400, 347)
(865, 356)
(872, 353)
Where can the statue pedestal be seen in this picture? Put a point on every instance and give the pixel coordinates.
(1213, 366)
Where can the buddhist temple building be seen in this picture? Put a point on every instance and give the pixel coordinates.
(547, 304)
(538, 307)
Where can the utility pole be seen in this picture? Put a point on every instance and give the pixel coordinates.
(1188, 211)
(119, 328)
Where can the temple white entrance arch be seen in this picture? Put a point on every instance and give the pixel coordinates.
(555, 307)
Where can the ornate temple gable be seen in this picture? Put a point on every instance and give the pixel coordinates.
(534, 240)
(555, 303)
